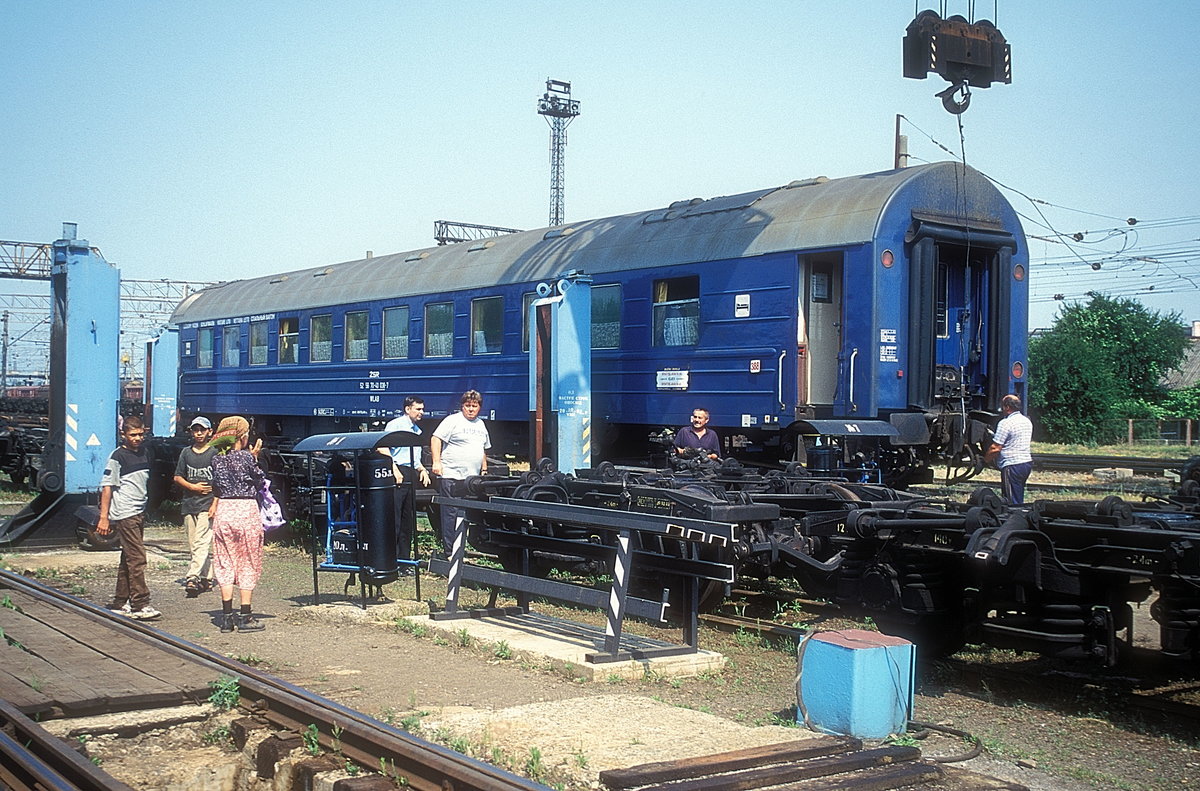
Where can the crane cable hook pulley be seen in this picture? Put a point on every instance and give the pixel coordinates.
(957, 98)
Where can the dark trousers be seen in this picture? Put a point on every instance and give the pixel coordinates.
(448, 487)
(131, 573)
(404, 507)
(1012, 480)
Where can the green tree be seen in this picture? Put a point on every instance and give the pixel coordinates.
(1099, 361)
(1072, 390)
(1181, 403)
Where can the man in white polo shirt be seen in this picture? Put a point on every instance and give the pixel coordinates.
(1010, 449)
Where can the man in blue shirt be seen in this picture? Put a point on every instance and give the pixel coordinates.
(698, 437)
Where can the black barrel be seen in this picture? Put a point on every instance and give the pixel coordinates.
(826, 458)
(376, 519)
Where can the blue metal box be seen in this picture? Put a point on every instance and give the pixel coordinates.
(855, 683)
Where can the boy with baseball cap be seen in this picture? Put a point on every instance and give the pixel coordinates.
(193, 474)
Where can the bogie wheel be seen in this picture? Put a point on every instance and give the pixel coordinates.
(1116, 507)
(987, 498)
(608, 471)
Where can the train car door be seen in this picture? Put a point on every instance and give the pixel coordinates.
(819, 330)
(959, 303)
(960, 319)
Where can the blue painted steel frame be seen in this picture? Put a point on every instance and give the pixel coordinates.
(87, 301)
(570, 369)
(164, 383)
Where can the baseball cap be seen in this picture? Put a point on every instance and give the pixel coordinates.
(201, 421)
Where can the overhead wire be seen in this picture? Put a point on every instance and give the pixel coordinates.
(1153, 269)
(1117, 261)
(1045, 220)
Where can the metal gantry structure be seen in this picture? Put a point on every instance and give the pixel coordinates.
(559, 109)
(146, 306)
(25, 260)
(450, 232)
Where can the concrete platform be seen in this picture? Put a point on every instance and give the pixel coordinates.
(565, 645)
(539, 639)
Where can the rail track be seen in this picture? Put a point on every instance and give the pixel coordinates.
(371, 744)
(1123, 489)
(1066, 462)
(33, 760)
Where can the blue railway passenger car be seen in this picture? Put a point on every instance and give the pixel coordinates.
(894, 299)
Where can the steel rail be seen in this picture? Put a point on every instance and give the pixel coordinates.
(32, 758)
(410, 760)
(937, 490)
(1067, 462)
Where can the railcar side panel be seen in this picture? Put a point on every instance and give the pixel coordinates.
(894, 294)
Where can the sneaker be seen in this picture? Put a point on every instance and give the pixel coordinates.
(193, 587)
(147, 613)
(248, 623)
(119, 609)
(228, 623)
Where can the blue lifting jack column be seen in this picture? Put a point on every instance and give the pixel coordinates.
(84, 391)
(560, 373)
(162, 383)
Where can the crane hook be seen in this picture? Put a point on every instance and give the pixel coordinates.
(954, 105)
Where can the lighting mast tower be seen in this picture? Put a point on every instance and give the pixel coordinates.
(559, 109)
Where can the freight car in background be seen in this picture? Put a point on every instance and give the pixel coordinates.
(893, 302)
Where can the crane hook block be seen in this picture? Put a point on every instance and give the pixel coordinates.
(963, 53)
(956, 99)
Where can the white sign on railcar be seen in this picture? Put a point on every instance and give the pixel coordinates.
(741, 306)
(819, 287)
(671, 379)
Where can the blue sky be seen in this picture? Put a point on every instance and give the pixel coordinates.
(218, 140)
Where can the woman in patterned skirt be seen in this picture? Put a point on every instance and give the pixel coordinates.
(237, 530)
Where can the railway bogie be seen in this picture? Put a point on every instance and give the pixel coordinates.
(1054, 578)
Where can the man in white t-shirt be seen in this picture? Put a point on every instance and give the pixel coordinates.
(1010, 449)
(459, 450)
